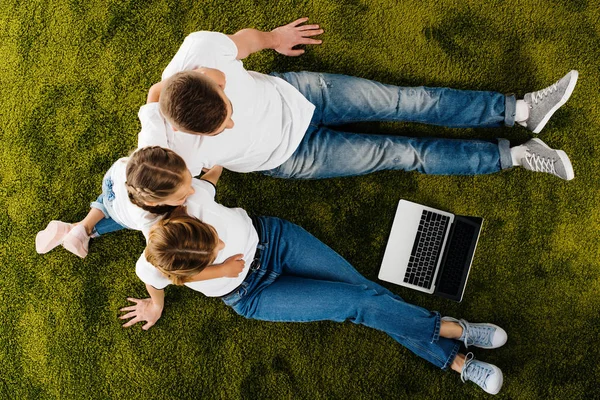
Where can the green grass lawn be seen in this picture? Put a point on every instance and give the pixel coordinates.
(73, 74)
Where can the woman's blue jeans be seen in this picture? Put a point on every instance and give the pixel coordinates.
(300, 279)
(339, 99)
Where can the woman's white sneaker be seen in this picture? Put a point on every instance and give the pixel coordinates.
(485, 375)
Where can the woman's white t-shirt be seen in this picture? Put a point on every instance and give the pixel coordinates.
(270, 115)
(234, 227)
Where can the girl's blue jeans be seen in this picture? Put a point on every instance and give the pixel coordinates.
(300, 279)
(104, 204)
(339, 99)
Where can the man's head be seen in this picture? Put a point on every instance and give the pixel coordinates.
(194, 102)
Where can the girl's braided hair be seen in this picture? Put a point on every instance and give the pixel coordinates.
(180, 246)
(153, 174)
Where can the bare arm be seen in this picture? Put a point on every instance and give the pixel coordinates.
(230, 268)
(154, 93)
(212, 175)
(281, 39)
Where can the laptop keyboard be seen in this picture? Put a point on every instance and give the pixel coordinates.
(425, 251)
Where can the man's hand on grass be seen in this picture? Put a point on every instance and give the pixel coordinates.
(294, 34)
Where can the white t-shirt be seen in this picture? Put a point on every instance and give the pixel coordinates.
(233, 226)
(270, 115)
(120, 208)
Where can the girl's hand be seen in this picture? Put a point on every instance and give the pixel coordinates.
(143, 310)
(233, 266)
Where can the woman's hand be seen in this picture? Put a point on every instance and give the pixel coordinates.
(143, 310)
(294, 34)
(233, 266)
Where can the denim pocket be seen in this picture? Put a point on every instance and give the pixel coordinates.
(234, 297)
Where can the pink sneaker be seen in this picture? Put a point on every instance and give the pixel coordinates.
(52, 236)
(77, 241)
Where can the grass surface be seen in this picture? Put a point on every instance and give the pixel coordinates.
(73, 75)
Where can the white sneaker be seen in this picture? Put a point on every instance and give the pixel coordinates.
(485, 375)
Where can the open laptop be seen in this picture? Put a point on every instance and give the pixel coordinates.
(430, 250)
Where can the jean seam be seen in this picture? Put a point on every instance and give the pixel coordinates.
(452, 356)
(442, 361)
(436, 330)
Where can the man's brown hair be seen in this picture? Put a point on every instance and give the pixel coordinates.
(181, 246)
(190, 101)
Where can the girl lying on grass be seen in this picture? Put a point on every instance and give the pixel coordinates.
(270, 269)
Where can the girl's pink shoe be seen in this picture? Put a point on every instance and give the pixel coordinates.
(77, 241)
(52, 236)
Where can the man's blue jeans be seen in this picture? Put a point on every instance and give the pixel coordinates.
(339, 99)
(300, 279)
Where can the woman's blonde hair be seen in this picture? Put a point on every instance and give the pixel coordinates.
(181, 246)
(153, 174)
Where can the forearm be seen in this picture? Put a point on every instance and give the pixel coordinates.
(211, 272)
(154, 93)
(157, 296)
(250, 41)
(213, 174)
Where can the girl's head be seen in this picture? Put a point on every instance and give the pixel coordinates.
(181, 246)
(158, 179)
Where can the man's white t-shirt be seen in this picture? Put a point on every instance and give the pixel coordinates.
(270, 115)
(233, 226)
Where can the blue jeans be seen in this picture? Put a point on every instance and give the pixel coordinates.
(104, 204)
(339, 99)
(300, 279)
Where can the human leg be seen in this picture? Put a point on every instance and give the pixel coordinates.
(301, 279)
(75, 237)
(328, 153)
(341, 99)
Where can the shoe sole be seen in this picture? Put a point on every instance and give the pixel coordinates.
(563, 157)
(47, 239)
(562, 101)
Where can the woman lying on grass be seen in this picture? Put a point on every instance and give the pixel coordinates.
(270, 269)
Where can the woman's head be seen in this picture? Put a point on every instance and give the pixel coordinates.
(158, 179)
(181, 246)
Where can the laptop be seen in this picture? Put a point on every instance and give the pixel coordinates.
(430, 250)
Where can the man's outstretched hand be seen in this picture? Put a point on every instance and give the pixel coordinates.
(294, 34)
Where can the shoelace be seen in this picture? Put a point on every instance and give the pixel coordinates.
(472, 334)
(540, 94)
(474, 372)
(540, 164)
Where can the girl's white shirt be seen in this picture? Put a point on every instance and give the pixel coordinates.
(120, 208)
(234, 227)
